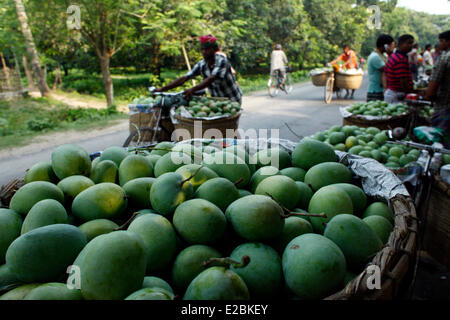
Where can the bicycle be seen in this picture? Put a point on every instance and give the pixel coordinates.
(277, 82)
(415, 106)
(160, 126)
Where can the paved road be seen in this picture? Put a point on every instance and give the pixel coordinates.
(303, 110)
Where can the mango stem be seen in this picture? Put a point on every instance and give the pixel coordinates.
(228, 261)
(126, 224)
(239, 181)
(292, 213)
(192, 175)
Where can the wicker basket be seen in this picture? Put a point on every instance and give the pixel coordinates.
(348, 81)
(382, 124)
(395, 260)
(193, 127)
(437, 228)
(320, 80)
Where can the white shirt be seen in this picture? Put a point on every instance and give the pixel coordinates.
(427, 58)
(279, 60)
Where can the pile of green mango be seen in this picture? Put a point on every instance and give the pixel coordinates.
(188, 222)
(205, 107)
(146, 100)
(378, 108)
(426, 112)
(369, 143)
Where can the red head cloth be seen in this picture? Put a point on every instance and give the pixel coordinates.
(207, 41)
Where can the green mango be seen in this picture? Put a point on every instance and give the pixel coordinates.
(10, 226)
(43, 254)
(244, 155)
(104, 171)
(355, 238)
(101, 201)
(44, 213)
(162, 148)
(330, 200)
(327, 173)
(219, 191)
(159, 238)
(133, 167)
(194, 152)
(379, 209)
(293, 227)
(356, 194)
(112, 266)
(155, 282)
(115, 154)
(244, 193)
(97, 227)
(355, 149)
(201, 175)
(41, 171)
(19, 293)
(229, 166)
(263, 275)
(94, 163)
(54, 291)
(256, 218)
(153, 158)
(72, 186)
(296, 174)
(275, 157)
(305, 194)
(282, 188)
(313, 266)
(170, 162)
(217, 283)
(138, 192)
(261, 174)
(8, 280)
(308, 153)
(337, 137)
(199, 221)
(151, 294)
(189, 263)
(168, 192)
(381, 226)
(70, 160)
(31, 193)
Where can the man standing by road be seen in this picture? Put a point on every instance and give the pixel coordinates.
(413, 60)
(398, 72)
(427, 57)
(278, 62)
(376, 63)
(216, 72)
(439, 87)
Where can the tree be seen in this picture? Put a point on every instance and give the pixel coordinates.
(31, 48)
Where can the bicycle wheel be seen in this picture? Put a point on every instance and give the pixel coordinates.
(274, 89)
(137, 138)
(328, 96)
(288, 85)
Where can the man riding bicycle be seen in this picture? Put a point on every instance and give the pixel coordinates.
(278, 63)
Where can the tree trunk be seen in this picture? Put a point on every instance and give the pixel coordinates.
(186, 59)
(107, 80)
(5, 72)
(31, 48)
(19, 75)
(58, 79)
(28, 73)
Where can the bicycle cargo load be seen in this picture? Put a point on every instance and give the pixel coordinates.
(351, 79)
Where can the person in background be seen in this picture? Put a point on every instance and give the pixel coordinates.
(439, 87)
(398, 72)
(225, 55)
(427, 57)
(215, 70)
(350, 62)
(436, 53)
(278, 62)
(376, 63)
(414, 61)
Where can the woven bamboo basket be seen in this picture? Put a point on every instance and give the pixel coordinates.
(437, 228)
(395, 260)
(193, 125)
(382, 124)
(348, 81)
(320, 80)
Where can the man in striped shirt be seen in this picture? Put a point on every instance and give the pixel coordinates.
(398, 72)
